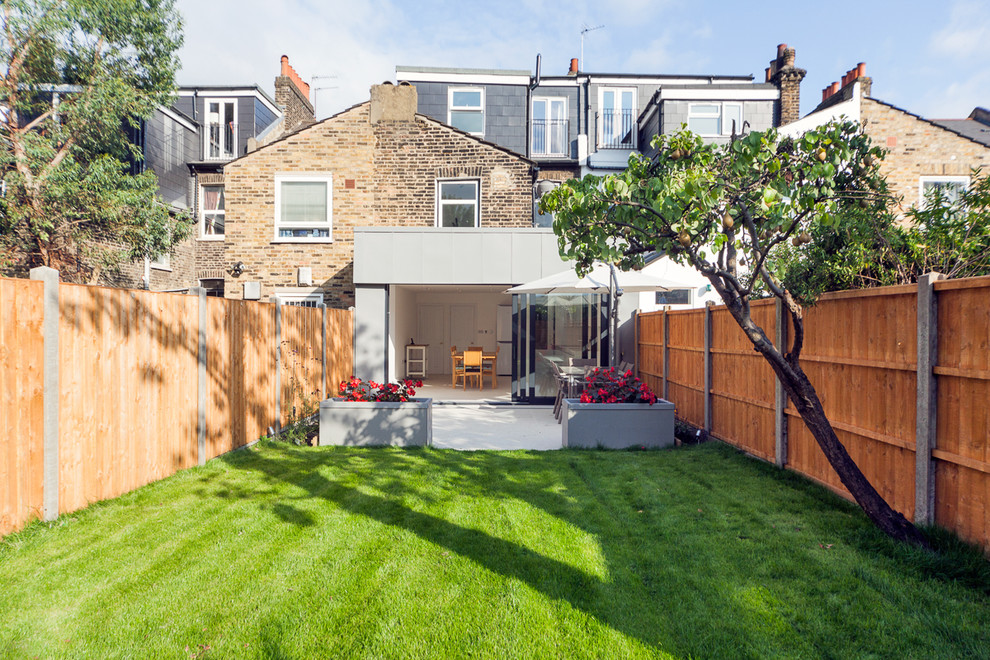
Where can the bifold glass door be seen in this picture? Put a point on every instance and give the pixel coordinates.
(554, 328)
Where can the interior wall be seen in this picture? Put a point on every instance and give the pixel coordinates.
(403, 321)
(405, 304)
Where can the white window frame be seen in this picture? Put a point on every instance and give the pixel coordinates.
(438, 219)
(724, 128)
(532, 130)
(964, 180)
(292, 177)
(466, 108)
(206, 128)
(635, 106)
(163, 262)
(299, 297)
(690, 300)
(202, 214)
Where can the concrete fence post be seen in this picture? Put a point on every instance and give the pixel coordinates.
(780, 396)
(925, 427)
(50, 392)
(708, 367)
(666, 355)
(200, 292)
(323, 355)
(278, 364)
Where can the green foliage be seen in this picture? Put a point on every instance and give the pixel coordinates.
(79, 75)
(718, 207)
(868, 248)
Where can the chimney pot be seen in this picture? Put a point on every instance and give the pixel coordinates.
(768, 74)
(574, 66)
(780, 49)
(861, 69)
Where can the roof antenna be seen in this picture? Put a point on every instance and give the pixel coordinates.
(585, 31)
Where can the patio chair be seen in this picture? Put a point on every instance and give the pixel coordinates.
(471, 367)
(488, 367)
(456, 364)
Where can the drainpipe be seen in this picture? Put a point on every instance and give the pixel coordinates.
(614, 293)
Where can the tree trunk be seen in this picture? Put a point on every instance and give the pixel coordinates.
(805, 398)
(802, 393)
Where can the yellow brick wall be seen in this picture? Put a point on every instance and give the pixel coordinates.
(918, 148)
(383, 175)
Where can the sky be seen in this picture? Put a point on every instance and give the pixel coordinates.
(930, 58)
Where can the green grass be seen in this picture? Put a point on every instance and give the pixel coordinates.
(294, 552)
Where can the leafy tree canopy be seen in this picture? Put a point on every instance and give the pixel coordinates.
(79, 75)
(725, 210)
(870, 247)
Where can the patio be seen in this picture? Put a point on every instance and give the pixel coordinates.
(472, 419)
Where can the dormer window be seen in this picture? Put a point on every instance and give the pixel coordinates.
(466, 109)
(715, 119)
(221, 128)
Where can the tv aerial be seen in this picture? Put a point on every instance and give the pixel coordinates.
(585, 30)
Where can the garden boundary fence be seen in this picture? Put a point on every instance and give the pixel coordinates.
(104, 390)
(903, 373)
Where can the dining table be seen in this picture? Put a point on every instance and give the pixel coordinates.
(457, 357)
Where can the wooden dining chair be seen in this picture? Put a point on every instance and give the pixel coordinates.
(475, 348)
(456, 364)
(488, 367)
(472, 367)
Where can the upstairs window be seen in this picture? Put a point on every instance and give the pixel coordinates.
(458, 203)
(303, 208)
(212, 212)
(617, 118)
(951, 187)
(550, 127)
(714, 119)
(221, 128)
(466, 109)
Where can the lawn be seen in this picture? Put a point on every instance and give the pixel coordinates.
(283, 551)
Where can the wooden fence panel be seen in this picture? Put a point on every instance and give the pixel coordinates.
(962, 454)
(649, 359)
(302, 363)
(21, 402)
(860, 352)
(686, 381)
(340, 348)
(127, 411)
(240, 402)
(743, 384)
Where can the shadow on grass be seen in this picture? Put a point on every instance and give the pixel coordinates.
(688, 559)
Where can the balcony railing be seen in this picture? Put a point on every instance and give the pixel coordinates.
(616, 129)
(220, 145)
(550, 137)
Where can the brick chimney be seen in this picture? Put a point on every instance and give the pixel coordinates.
(787, 78)
(393, 102)
(292, 95)
(838, 92)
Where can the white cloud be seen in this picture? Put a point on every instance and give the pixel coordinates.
(967, 33)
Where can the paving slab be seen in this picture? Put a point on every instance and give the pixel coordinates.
(472, 427)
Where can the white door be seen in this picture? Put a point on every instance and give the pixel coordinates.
(430, 332)
(463, 332)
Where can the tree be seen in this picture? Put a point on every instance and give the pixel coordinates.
(79, 77)
(724, 209)
(868, 247)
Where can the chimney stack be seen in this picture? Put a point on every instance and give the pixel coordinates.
(292, 95)
(393, 102)
(573, 71)
(842, 90)
(787, 78)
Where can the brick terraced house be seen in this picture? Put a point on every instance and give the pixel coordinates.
(420, 226)
(922, 153)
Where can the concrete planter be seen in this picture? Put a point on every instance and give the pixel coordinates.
(365, 423)
(618, 425)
